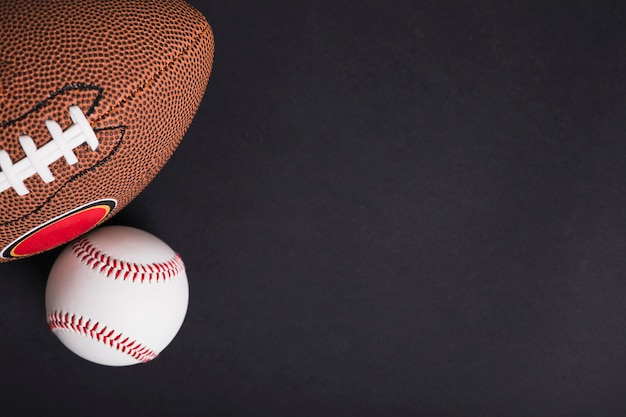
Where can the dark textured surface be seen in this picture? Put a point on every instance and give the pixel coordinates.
(385, 209)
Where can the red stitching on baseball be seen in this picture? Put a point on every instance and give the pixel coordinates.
(58, 320)
(86, 252)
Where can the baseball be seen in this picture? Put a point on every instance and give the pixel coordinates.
(117, 296)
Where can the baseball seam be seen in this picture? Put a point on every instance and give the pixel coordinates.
(59, 320)
(88, 254)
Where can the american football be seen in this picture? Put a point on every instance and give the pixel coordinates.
(95, 96)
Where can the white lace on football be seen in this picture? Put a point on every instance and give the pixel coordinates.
(37, 161)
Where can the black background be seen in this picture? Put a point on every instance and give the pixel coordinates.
(401, 208)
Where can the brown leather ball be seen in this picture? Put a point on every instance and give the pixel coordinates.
(95, 96)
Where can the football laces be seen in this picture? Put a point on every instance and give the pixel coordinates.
(37, 160)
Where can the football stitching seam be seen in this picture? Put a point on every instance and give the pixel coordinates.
(114, 268)
(100, 90)
(59, 320)
(150, 80)
(68, 87)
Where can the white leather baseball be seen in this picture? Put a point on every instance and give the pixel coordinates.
(117, 296)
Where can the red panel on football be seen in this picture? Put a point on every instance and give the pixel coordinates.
(94, 98)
